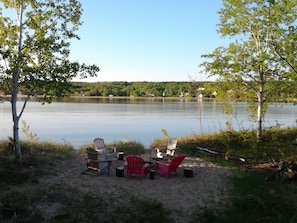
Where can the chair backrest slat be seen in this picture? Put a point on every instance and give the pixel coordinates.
(172, 143)
(135, 164)
(176, 161)
(99, 143)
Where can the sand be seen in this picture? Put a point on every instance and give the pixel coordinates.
(207, 188)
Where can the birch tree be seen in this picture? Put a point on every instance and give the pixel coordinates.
(34, 52)
(250, 63)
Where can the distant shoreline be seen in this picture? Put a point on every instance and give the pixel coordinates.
(138, 97)
(7, 97)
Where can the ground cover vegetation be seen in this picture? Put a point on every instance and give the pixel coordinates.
(258, 193)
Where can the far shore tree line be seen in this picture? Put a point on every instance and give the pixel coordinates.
(191, 89)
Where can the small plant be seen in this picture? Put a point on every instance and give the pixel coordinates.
(161, 141)
(165, 134)
(29, 135)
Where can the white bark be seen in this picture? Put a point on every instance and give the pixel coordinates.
(15, 117)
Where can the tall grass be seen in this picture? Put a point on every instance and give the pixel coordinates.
(128, 147)
(35, 157)
(276, 144)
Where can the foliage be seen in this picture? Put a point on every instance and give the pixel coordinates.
(31, 137)
(251, 64)
(46, 29)
(161, 142)
(253, 200)
(276, 144)
(34, 51)
(37, 158)
(177, 89)
(128, 147)
(143, 89)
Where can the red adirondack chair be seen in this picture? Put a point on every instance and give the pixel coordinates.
(136, 165)
(172, 166)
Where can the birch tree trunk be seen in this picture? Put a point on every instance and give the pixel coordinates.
(15, 78)
(261, 99)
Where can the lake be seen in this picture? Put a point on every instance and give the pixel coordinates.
(79, 120)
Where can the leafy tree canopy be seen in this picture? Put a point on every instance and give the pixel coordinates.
(34, 51)
(251, 64)
(37, 43)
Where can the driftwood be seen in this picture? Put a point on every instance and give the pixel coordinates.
(207, 151)
(281, 170)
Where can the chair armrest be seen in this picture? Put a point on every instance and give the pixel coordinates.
(100, 161)
(113, 148)
(162, 164)
(160, 148)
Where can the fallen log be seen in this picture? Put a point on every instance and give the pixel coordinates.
(205, 150)
(215, 153)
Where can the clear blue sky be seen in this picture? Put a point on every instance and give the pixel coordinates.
(147, 40)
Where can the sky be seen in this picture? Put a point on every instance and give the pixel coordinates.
(147, 40)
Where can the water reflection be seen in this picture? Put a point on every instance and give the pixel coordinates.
(79, 120)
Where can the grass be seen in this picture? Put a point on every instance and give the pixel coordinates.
(253, 199)
(255, 196)
(276, 144)
(128, 147)
(76, 206)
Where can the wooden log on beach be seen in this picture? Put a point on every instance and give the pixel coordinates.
(215, 153)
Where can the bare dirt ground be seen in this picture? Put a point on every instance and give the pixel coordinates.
(181, 195)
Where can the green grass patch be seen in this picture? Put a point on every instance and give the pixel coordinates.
(253, 198)
(38, 158)
(73, 205)
(276, 144)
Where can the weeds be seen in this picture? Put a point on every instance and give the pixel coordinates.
(29, 135)
(129, 147)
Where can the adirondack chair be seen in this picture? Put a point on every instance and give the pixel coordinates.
(102, 148)
(136, 165)
(97, 163)
(172, 166)
(166, 152)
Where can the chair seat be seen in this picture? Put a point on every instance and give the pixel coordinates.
(172, 166)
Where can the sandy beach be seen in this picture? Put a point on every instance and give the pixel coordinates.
(180, 194)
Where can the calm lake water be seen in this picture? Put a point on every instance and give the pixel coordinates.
(79, 121)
